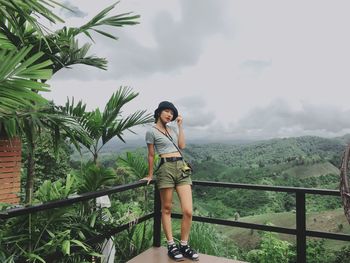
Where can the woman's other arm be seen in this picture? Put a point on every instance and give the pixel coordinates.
(181, 137)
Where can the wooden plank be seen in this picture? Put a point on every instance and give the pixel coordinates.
(10, 164)
(4, 181)
(16, 165)
(8, 196)
(159, 255)
(10, 190)
(9, 148)
(10, 159)
(9, 154)
(12, 141)
(6, 191)
(14, 201)
(13, 188)
(10, 185)
(6, 143)
(10, 175)
(7, 176)
(10, 169)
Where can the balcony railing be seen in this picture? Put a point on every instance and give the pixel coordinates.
(300, 231)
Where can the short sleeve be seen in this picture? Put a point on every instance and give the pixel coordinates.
(149, 137)
(173, 129)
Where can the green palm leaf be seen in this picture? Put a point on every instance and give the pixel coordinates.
(101, 20)
(15, 13)
(103, 126)
(16, 80)
(136, 164)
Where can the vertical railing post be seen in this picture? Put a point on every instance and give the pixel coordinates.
(156, 218)
(301, 227)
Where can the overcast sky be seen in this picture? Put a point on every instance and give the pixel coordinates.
(234, 69)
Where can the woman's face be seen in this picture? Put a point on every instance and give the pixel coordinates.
(166, 115)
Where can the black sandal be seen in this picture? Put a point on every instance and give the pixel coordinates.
(174, 253)
(189, 252)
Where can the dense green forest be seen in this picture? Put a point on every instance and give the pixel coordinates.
(309, 161)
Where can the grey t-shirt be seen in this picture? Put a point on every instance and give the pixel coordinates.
(161, 143)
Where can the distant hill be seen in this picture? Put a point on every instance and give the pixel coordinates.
(301, 150)
(327, 221)
(311, 170)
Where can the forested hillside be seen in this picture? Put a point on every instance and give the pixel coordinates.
(309, 161)
(299, 150)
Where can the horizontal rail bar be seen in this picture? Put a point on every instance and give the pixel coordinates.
(275, 229)
(70, 200)
(225, 222)
(327, 235)
(269, 188)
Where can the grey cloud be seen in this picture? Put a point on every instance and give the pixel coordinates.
(191, 102)
(255, 66)
(194, 112)
(76, 12)
(178, 43)
(279, 119)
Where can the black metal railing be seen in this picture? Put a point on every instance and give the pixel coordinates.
(22, 211)
(300, 231)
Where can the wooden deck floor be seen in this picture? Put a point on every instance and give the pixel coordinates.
(159, 255)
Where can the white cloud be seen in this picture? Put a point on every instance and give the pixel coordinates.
(279, 119)
(234, 68)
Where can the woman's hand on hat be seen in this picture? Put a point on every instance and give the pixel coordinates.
(179, 120)
(147, 178)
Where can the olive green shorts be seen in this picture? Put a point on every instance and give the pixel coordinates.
(170, 175)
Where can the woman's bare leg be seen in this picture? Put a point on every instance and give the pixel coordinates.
(166, 197)
(185, 195)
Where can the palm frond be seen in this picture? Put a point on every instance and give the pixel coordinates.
(101, 20)
(5, 43)
(134, 163)
(18, 12)
(118, 128)
(92, 177)
(16, 80)
(118, 99)
(73, 54)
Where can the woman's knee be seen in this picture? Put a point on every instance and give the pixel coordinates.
(187, 213)
(166, 208)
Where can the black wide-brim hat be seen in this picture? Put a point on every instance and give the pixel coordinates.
(166, 105)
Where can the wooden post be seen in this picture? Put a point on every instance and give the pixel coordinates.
(10, 170)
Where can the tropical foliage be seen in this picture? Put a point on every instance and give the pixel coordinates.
(104, 126)
(41, 53)
(17, 84)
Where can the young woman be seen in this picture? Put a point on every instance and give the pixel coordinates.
(167, 142)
